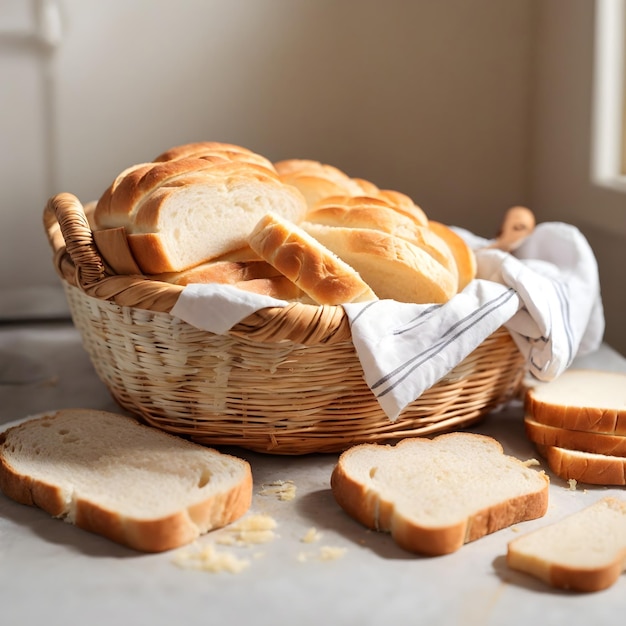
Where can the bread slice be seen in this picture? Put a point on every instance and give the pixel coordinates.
(463, 254)
(585, 467)
(599, 443)
(378, 214)
(585, 551)
(313, 268)
(187, 210)
(393, 267)
(111, 475)
(588, 400)
(434, 495)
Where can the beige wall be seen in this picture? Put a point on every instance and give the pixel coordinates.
(561, 186)
(468, 106)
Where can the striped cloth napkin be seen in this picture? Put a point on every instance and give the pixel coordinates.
(546, 293)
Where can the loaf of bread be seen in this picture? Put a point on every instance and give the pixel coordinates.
(393, 267)
(319, 181)
(183, 210)
(434, 495)
(587, 400)
(302, 259)
(585, 551)
(111, 475)
(378, 214)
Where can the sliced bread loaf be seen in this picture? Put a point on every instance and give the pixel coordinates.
(377, 214)
(434, 495)
(585, 551)
(393, 267)
(587, 400)
(322, 275)
(113, 476)
(463, 254)
(194, 205)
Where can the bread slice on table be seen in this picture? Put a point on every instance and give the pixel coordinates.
(181, 212)
(586, 400)
(585, 551)
(585, 441)
(322, 275)
(434, 495)
(111, 475)
(393, 267)
(585, 467)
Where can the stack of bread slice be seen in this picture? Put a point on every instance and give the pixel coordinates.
(578, 423)
(299, 230)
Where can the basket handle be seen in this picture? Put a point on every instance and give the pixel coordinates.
(66, 225)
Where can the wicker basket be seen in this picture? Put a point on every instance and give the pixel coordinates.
(283, 381)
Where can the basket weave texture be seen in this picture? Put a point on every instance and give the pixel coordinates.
(283, 381)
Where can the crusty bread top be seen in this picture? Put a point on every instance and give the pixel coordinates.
(378, 214)
(589, 400)
(393, 267)
(582, 552)
(307, 263)
(433, 495)
(111, 475)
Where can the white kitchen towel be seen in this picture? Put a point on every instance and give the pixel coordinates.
(546, 293)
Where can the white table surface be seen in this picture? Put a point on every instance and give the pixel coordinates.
(53, 573)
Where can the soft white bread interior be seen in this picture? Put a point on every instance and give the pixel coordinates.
(181, 212)
(434, 495)
(585, 551)
(302, 259)
(113, 476)
(587, 400)
(393, 267)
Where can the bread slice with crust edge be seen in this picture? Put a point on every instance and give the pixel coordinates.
(434, 495)
(585, 551)
(111, 475)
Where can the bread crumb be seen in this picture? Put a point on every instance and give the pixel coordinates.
(572, 484)
(252, 529)
(331, 553)
(531, 462)
(325, 553)
(282, 489)
(208, 559)
(311, 535)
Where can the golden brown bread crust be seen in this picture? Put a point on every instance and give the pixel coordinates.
(315, 270)
(584, 467)
(584, 441)
(211, 149)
